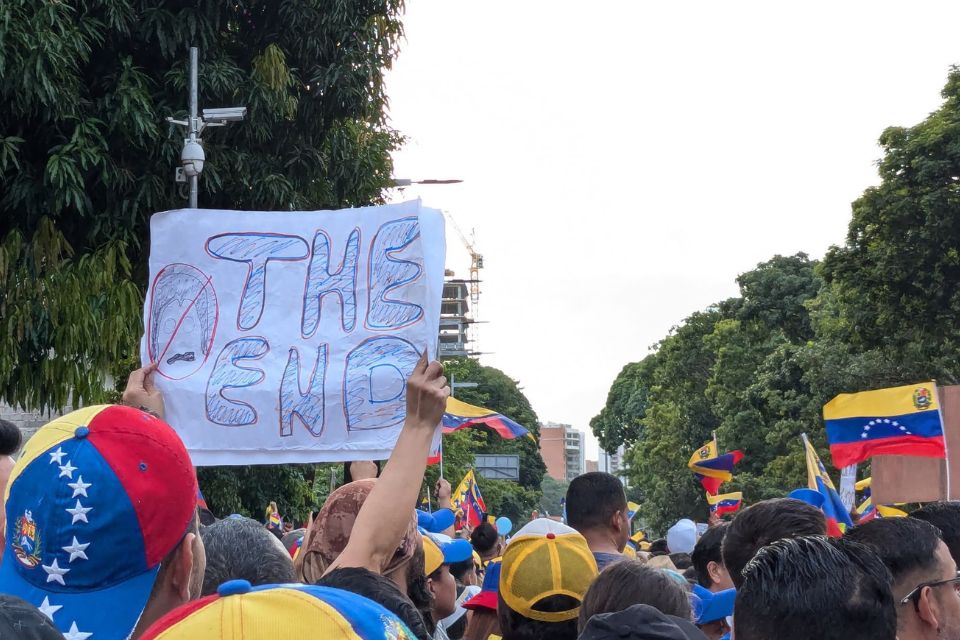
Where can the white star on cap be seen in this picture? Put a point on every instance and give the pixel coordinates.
(80, 487)
(76, 634)
(57, 456)
(67, 470)
(48, 609)
(76, 550)
(55, 573)
(79, 512)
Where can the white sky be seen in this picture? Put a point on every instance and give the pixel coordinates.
(624, 161)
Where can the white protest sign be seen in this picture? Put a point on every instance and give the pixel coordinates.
(288, 336)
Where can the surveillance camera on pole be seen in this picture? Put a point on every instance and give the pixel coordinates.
(192, 156)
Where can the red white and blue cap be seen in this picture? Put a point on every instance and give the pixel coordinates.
(241, 612)
(97, 500)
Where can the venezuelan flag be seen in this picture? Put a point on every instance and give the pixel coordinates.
(467, 499)
(460, 415)
(632, 509)
(817, 479)
(901, 421)
(725, 503)
(712, 469)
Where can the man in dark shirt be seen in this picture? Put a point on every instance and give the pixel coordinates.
(597, 508)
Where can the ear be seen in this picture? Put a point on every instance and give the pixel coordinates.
(616, 521)
(432, 588)
(927, 609)
(713, 570)
(182, 569)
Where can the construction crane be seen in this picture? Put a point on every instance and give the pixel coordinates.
(476, 261)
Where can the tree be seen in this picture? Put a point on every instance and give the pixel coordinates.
(498, 392)
(554, 492)
(85, 159)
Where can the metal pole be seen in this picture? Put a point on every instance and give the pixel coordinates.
(192, 130)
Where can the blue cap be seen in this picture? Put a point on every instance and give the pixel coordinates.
(713, 606)
(436, 522)
(811, 497)
(453, 549)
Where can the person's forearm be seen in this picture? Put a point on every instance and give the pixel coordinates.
(387, 511)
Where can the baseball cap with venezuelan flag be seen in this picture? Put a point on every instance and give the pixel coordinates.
(241, 612)
(97, 500)
(544, 559)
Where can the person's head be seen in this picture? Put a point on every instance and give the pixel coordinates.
(630, 582)
(946, 517)
(915, 554)
(545, 571)
(439, 553)
(10, 440)
(639, 622)
(659, 548)
(681, 561)
(763, 523)
(269, 612)
(464, 572)
(242, 549)
(486, 540)
(597, 506)
(331, 529)
(102, 528)
(482, 624)
(814, 587)
(381, 590)
(19, 619)
(708, 561)
(360, 470)
(682, 536)
(711, 610)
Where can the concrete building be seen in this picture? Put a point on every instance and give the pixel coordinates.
(592, 465)
(562, 448)
(455, 319)
(614, 463)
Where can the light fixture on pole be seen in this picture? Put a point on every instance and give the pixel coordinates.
(192, 156)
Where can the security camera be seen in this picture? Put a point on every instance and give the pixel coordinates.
(192, 157)
(225, 114)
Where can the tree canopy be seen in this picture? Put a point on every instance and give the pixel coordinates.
(880, 310)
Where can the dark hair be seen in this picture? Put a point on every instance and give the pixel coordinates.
(592, 498)
(484, 538)
(946, 517)
(762, 523)
(460, 569)
(681, 561)
(417, 589)
(381, 590)
(10, 438)
(905, 545)
(707, 551)
(631, 582)
(659, 548)
(243, 549)
(514, 626)
(482, 624)
(815, 587)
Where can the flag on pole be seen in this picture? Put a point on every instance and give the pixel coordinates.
(467, 499)
(818, 480)
(725, 503)
(712, 469)
(901, 421)
(460, 415)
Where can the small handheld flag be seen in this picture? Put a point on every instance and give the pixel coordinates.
(712, 469)
(467, 499)
(902, 421)
(818, 480)
(725, 503)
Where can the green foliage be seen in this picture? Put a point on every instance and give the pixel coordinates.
(879, 311)
(498, 392)
(553, 492)
(86, 158)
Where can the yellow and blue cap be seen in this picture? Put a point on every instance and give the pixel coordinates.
(439, 550)
(239, 611)
(95, 503)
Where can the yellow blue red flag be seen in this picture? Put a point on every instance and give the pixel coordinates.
(838, 520)
(725, 503)
(467, 499)
(460, 415)
(901, 421)
(712, 469)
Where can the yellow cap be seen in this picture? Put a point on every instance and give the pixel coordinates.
(629, 551)
(546, 558)
(432, 556)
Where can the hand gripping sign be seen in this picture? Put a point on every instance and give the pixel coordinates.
(288, 337)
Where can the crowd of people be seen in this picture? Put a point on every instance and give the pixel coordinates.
(104, 540)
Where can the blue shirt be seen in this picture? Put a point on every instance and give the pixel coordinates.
(603, 559)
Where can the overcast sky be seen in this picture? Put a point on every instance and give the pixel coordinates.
(623, 162)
